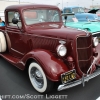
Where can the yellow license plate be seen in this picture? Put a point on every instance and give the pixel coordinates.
(68, 76)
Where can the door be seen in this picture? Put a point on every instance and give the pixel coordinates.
(17, 37)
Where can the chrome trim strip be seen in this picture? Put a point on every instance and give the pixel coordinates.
(77, 82)
(17, 51)
(22, 63)
(86, 60)
(95, 58)
(95, 33)
(85, 47)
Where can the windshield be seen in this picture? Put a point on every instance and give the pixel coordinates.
(41, 15)
(78, 10)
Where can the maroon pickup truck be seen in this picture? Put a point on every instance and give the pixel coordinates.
(34, 39)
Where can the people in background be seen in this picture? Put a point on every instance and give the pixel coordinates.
(2, 23)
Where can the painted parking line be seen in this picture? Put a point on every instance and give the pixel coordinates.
(0, 99)
(98, 98)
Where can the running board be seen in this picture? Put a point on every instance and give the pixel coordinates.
(15, 61)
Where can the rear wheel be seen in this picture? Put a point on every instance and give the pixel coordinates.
(38, 78)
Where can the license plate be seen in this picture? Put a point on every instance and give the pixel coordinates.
(68, 76)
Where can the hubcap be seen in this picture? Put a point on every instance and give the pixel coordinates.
(36, 77)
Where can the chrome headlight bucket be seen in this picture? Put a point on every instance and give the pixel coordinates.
(61, 50)
(95, 41)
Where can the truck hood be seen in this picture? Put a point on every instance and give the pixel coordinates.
(55, 31)
(89, 26)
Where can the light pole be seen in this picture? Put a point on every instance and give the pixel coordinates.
(78, 5)
(19, 1)
(97, 5)
(58, 4)
(92, 3)
(62, 4)
(67, 4)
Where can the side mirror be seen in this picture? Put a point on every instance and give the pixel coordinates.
(14, 21)
(65, 17)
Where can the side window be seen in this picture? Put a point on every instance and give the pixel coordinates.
(31, 17)
(30, 14)
(11, 15)
(68, 11)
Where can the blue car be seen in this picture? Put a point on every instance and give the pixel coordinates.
(80, 14)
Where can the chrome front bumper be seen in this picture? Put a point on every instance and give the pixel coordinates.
(80, 81)
(96, 34)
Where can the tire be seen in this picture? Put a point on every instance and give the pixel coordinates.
(38, 78)
(3, 45)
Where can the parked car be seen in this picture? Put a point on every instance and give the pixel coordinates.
(98, 13)
(91, 26)
(80, 13)
(35, 41)
(98, 16)
(95, 11)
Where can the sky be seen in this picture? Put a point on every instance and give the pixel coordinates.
(63, 3)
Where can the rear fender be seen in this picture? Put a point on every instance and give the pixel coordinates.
(52, 66)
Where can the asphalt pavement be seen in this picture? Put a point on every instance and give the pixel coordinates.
(15, 85)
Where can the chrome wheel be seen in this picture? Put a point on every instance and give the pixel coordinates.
(36, 77)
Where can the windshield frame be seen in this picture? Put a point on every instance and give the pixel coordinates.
(60, 20)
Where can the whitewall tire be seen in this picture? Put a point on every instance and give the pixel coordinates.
(38, 78)
(3, 45)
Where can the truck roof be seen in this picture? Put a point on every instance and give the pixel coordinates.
(25, 6)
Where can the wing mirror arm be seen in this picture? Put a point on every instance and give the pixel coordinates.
(65, 17)
(15, 21)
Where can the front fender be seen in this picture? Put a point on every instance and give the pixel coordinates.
(52, 66)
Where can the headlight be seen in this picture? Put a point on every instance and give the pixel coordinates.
(95, 41)
(61, 50)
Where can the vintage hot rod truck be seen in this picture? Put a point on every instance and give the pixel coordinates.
(34, 40)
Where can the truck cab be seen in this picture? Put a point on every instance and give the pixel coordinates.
(34, 40)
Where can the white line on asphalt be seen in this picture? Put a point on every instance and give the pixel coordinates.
(98, 98)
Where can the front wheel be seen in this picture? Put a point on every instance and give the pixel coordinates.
(38, 78)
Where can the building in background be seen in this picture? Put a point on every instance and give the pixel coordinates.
(5, 3)
(95, 6)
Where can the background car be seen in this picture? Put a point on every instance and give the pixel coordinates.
(80, 14)
(71, 20)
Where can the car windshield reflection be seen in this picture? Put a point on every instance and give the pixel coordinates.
(78, 10)
(32, 16)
